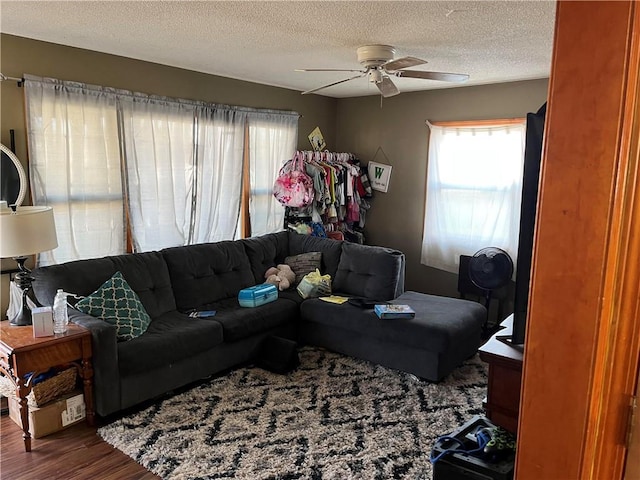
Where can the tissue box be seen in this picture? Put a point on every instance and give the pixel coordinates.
(42, 319)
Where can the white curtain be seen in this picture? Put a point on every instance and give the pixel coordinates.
(474, 186)
(175, 166)
(219, 173)
(272, 141)
(158, 139)
(75, 166)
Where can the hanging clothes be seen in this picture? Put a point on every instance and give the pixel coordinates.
(341, 189)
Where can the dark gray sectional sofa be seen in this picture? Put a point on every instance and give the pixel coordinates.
(177, 349)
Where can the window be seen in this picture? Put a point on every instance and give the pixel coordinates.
(221, 140)
(132, 172)
(270, 140)
(74, 165)
(474, 185)
(158, 141)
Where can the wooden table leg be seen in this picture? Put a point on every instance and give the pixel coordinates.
(22, 392)
(87, 381)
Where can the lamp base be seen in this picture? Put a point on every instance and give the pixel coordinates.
(23, 279)
(23, 317)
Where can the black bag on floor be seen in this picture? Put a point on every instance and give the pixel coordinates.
(278, 355)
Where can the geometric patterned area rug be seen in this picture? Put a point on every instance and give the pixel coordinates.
(335, 417)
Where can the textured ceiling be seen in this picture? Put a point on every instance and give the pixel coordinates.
(263, 42)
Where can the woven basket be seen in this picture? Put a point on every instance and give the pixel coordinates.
(7, 388)
(53, 387)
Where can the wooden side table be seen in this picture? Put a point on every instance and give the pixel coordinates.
(505, 376)
(21, 353)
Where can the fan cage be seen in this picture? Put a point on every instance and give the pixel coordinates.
(490, 268)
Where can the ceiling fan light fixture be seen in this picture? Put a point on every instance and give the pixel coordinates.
(375, 75)
(374, 55)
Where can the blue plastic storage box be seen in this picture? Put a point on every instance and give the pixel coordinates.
(257, 295)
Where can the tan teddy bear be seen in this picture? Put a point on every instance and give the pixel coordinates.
(281, 276)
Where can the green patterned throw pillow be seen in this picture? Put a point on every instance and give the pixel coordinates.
(116, 303)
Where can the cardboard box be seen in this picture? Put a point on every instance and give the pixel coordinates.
(52, 417)
(42, 319)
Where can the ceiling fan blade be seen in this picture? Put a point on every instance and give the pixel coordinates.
(404, 62)
(445, 77)
(362, 74)
(325, 70)
(387, 87)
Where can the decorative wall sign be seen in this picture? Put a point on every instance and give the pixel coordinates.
(317, 140)
(379, 175)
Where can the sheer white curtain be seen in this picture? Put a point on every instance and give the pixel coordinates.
(220, 156)
(75, 165)
(474, 186)
(272, 141)
(158, 139)
(179, 162)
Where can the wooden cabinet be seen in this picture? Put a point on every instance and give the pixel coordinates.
(505, 377)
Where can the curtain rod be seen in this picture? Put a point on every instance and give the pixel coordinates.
(20, 82)
(155, 98)
(477, 123)
(3, 77)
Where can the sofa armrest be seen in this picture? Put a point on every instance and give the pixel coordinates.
(104, 346)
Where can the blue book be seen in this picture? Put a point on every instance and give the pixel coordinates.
(203, 314)
(394, 311)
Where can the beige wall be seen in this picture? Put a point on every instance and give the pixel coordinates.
(20, 56)
(399, 129)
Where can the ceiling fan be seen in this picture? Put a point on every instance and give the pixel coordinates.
(379, 66)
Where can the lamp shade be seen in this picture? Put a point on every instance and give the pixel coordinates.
(27, 231)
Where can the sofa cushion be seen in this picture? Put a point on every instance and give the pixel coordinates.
(291, 294)
(331, 250)
(266, 251)
(116, 303)
(240, 322)
(208, 272)
(439, 325)
(303, 264)
(80, 277)
(170, 338)
(368, 271)
(148, 275)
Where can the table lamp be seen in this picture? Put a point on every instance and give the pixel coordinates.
(25, 231)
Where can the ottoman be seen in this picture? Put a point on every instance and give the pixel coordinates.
(444, 332)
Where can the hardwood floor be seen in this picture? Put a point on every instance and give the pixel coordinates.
(76, 453)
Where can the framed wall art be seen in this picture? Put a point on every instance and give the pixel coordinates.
(379, 176)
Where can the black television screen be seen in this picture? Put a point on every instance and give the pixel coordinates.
(531, 178)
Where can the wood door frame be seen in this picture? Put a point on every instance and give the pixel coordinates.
(632, 462)
(581, 353)
(616, 355)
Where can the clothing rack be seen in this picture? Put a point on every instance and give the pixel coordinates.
(341, 193)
